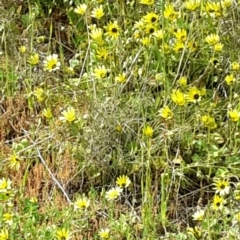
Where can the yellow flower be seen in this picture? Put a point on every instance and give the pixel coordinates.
(100, 72)
(63, 234)
(169, 13)
(214, 9)
(39, 94)
(148, 131)
(194, 232)
(47, 113)
(14, 162)
(121, 78)
(230, 79)
(181, 35)
(209, 122)
(98, 12)
(150, 28)
(104, 233)
(193, 95)
(22, 49)
(221, 187)
(146, 41)
(166, 112)
(82, 203)
(182, 81)
(119, 128)
(178, 46)
(8, 218)
(4, 235)
(178, 97)
(218, 47)
(68, 115)
(226, 3)
(212, 39)
(5, 184)
(102, 54)
(158, 34)
(151, 17)
(113, 193)
(192, 46)
(198, 216)
(40, 39)
(123, 181)
(192, 5)
(34, 59)
(218, 202)
(69, 70)
(234, 115)
(112, 29)
(51, 63)
(147, 2)
(235, 66)
(81, 9)
(96, 35)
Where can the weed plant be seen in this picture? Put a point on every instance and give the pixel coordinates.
(119, 119)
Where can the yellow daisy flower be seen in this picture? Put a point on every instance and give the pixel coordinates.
(4, 235)
(218, 47)
(217, 203)
(214, 9)
(104, 233)
(98, 12)
(192, 5)
(33, 59)
(5, 184)
(14, 162)
(158, 34)
(113, 193)
(68, 115)
(82, 203)
(221, 187)
(100, 72)
(123, 181)
(178, 97)
(178, 46)
(166, 112)
(182, 81)
(209, 122)
(121, 78)
(230, 79)
(51, 63)
(151, 17)
(193, 95)
(47, 113)
(198, 215)
(63, 234)
(235, 66)
(169, 13)
(81, 9)
(212, 39)
(234, 115)
(148, 131)
(22, 49)
(113, 29)
(181, 35)
(8, 218)
(39, 94)
(96, 35)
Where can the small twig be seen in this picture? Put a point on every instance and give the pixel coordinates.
(54, 179)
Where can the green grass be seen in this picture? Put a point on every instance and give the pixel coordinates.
(124, 126)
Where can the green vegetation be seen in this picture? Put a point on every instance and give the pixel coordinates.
(119, 120)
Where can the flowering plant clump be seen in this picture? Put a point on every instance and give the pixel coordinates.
(120, 121)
